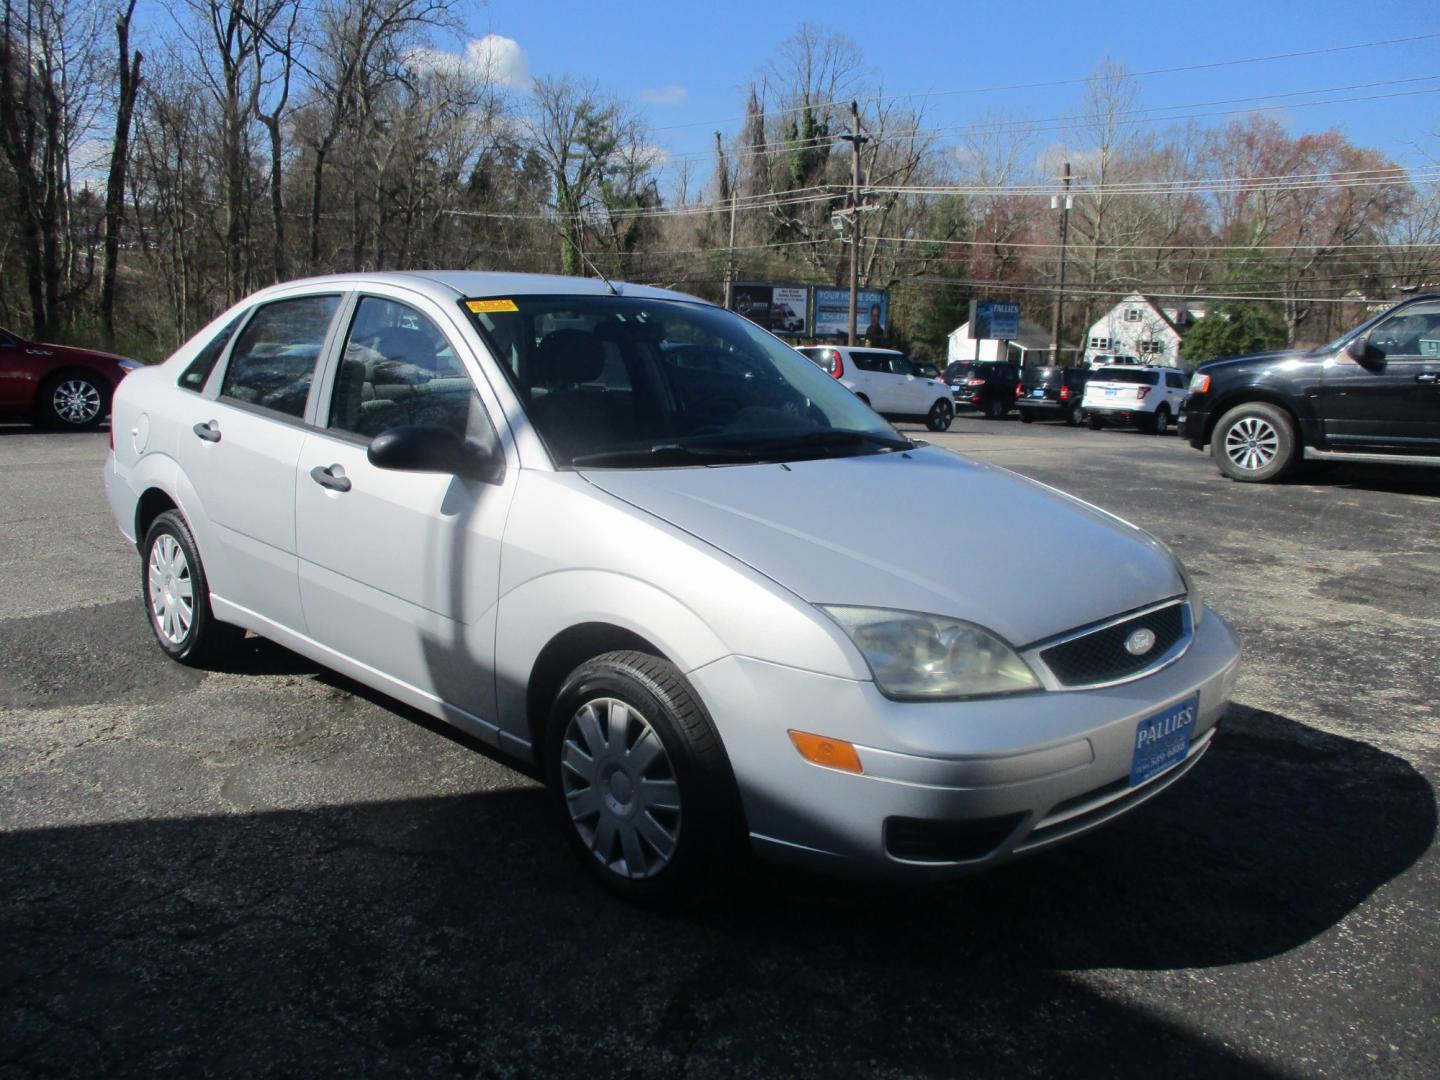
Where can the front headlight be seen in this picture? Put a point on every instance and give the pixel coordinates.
(126, 364)
(930, 656)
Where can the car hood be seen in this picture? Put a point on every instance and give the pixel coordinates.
(1210, 367)
(1004, 551)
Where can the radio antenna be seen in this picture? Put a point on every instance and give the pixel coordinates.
(586, 259)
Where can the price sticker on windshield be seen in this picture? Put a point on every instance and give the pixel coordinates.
(487, 307)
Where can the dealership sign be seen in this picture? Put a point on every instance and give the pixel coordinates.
(781, 309)
(994, 319)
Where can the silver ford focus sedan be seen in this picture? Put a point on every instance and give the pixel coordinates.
(642, 545)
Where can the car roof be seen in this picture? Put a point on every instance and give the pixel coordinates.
(1133, 367)
(448, 285)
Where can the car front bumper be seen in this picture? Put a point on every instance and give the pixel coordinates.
(984, 780)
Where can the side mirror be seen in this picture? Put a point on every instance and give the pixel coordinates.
(427, 448)
(1358, 349)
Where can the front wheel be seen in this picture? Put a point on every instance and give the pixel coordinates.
(638, 776)
(1255, 443)
(941, 413)
(996, 410)
(76, 402)
(177, 596)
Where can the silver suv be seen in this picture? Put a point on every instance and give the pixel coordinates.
(635, 541)
(889, 382)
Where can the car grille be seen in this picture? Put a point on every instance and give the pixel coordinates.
(1101, 657)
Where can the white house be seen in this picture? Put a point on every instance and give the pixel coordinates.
(1030, 346)
(1140, 328)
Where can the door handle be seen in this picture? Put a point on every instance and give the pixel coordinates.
(209, 431)
(1428, 377)
(333, 478)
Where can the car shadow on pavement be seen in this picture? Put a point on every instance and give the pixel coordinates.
(455, 934)
(1402, 480)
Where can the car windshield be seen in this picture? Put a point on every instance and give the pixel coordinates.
(621, 382)
(1126, 375)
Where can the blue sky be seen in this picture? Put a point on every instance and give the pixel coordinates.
(687, 63)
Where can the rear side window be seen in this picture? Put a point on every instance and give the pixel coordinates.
(273, 362)
(197, 374)
(1175, 380)
(869, 361)
(822, 358)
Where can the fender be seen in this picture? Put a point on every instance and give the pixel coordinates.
(162, 472)
(1302, 409)
(531, 615)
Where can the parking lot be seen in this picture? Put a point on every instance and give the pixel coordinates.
(269, 870)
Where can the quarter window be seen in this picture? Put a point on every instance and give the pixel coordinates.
(197, 373)
(398, 369)
(273, 362)
(1174, 379)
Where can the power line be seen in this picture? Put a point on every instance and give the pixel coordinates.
(1073, 81)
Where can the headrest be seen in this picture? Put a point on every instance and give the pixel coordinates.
(568, 356)
(401, 344)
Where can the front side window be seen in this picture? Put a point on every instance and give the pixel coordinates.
(1411, 334)
(620, 382)
(273, 362)
(399, 369)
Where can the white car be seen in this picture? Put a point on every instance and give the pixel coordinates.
(634, 540)
(888, 382)
(1148, 397)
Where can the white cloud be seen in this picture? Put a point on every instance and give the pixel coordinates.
(499, 59)
(665, 95)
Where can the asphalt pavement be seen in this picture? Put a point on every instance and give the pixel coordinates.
(267, 870)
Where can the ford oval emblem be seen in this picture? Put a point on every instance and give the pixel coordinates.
(1140, 641)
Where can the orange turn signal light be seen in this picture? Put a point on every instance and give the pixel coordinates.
(830, 753)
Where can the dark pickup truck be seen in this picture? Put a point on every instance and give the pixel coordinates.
(1371, 395)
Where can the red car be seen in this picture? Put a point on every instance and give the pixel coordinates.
(58, 385)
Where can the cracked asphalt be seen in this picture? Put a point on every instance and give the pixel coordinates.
(267, 870)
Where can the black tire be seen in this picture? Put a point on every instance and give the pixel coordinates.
(706, 827)
(205, 638)
(1255, 443)
(73, 401)
(1072, 417)
(996, 409)
(1160, 423)
(1026, 416)
(1095, 422)
(940, 415)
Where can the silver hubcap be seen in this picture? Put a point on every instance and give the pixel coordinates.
(172, 593)
(620, 788)
(1252, 443)
(76, 401)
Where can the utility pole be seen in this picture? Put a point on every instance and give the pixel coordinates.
(1063, 202)
(855, 139)
(730, 258)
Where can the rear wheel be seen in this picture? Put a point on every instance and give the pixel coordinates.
(1072, 417)
(177, 596)
(74, 401)
(1026, 416)
(995, 410)
(1160, 425)
(863, 400)
(638, 776)
(941, 413)
(1255, 443)
(1094, 422)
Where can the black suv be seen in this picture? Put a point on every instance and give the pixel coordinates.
(1051, 393)
(989, 387)
(1372, 394)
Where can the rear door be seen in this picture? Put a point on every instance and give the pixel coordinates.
(1392, 401)
(879, 383)
(239, 447)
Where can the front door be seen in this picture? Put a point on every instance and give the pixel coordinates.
(1392, 400)
(400, 570)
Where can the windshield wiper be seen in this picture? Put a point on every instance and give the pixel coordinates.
(841, 438)
(666, 454)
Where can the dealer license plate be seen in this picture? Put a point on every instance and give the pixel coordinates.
(1161, 740)
(1110, 391)
(1037, 393)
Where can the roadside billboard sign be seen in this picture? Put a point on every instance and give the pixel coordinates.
(781, 309)
(832, 313)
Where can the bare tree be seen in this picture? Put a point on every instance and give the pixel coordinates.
(127, 89)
